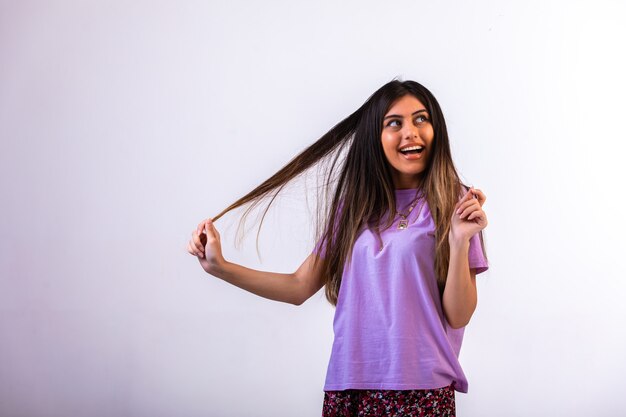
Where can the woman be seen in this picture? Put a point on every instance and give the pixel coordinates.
(403, 284)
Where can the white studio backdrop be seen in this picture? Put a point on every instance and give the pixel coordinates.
(124, 124)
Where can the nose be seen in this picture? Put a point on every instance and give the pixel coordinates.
(410, 131)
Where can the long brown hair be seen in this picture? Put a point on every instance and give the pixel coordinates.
(358, 182)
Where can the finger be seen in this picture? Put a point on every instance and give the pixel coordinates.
(466, 204)
(480, 196)
(197, 243)
(468, 210)
(213, 229)
(467, 196)
(202, 232)
(461, 201)
(201, 226)
(208, 231)
(192, 250)
(472, 191)
(478, 214)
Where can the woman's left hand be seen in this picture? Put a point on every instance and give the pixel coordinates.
(468, 217)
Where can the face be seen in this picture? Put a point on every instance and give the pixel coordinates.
(406, 129)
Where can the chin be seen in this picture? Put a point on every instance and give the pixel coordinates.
(413, 173)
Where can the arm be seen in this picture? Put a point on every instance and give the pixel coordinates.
(459, 296)
(293, 288)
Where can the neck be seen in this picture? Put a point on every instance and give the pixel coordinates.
(407, 182)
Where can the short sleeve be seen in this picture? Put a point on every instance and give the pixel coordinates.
(476, 257)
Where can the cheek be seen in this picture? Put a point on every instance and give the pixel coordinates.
(428, 135)
(390, 145)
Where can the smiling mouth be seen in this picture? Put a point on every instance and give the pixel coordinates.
(411, 150)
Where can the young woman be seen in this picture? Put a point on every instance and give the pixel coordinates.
(398, 250)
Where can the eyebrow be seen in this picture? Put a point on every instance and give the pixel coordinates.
(396, 115)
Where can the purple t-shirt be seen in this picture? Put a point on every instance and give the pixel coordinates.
(390, 330)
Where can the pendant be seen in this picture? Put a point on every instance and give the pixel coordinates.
(403, 224)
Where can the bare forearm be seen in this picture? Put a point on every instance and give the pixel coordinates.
(459, 296)
(271, 285)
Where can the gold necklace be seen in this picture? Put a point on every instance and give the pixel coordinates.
(404, 222)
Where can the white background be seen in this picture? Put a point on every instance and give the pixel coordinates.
(123, 124)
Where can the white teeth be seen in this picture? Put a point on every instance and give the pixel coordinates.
(411, 148)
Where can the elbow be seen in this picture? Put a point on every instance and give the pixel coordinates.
(296, 297)
(298, 301)
(301, 297)
(458, 321)
(300, 292)
(458, 325)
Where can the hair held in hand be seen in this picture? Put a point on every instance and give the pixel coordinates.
(358, 184)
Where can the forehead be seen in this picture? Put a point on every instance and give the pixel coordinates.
(406, 105)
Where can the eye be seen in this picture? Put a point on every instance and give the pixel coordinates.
(392, 121)
(423, 117)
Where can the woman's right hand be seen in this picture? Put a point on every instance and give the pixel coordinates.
(205, 243)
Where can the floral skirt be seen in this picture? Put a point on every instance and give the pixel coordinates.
(438, 402)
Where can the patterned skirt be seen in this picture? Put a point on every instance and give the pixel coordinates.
(438, 402)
